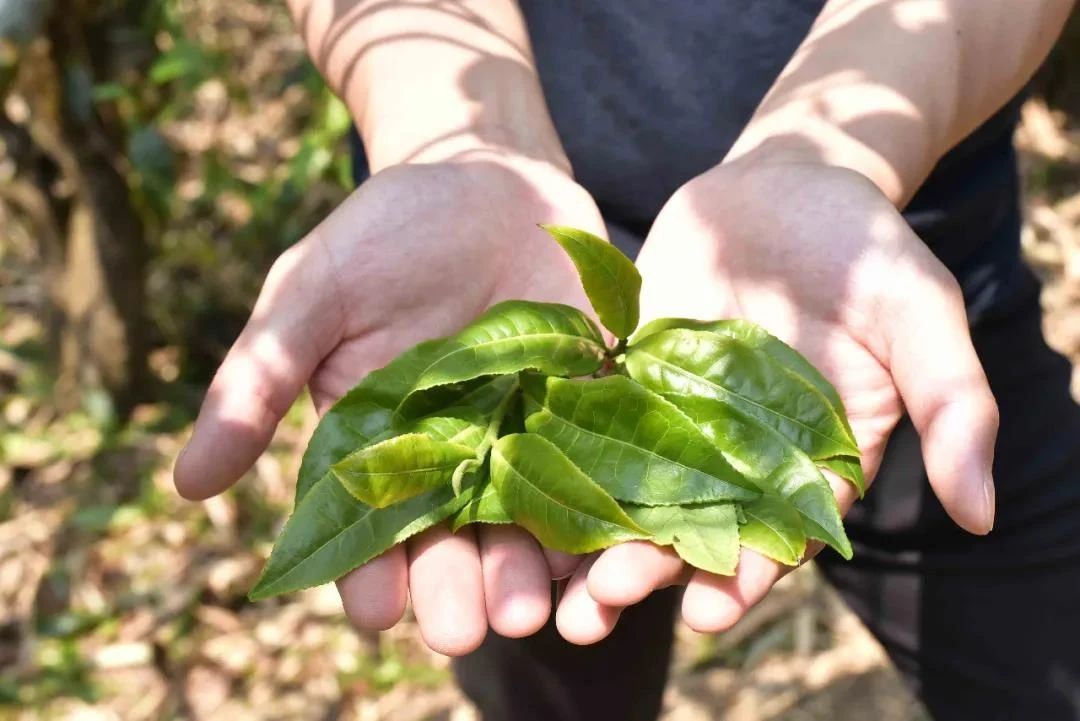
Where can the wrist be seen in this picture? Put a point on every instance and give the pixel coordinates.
(463, 143)
(810, 139)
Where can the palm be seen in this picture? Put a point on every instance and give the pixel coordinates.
(821, 259)
(416, 253)
(429, 260)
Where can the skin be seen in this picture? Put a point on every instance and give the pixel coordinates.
(797, 229)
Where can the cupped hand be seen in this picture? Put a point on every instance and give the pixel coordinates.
(820, 258)
(417, 252)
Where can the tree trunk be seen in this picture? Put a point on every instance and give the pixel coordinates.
(92, 240)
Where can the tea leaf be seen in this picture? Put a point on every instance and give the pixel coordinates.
(849, 468)
(550, 497)
(729, 372)
(773, 528)
(639, 447)
(399, 468)
(363, 415)
(514, 336)
(757, 337)
(704, 535)
(485, 507)
(330, 533)
(611, 280)
(772, 462)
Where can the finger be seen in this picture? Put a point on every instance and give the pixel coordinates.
(561, 564)
(517, 581)
(625, 574)
(579, 618)
(447, 588)
(714, 603)
(929, 352)
(290, 331)
(375, 594)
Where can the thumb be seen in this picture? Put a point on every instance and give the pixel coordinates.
(929, 352)
(294, 324)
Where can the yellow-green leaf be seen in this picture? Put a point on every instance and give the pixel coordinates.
(705, 535)
(774, 529)
(399, 468)
(610, 279)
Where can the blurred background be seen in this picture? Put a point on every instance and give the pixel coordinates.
(155, 157)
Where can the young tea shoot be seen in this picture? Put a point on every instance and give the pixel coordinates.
(702, 435)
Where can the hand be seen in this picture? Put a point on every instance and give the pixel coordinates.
(417, 252)
(819, 257)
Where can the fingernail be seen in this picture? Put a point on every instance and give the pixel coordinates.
(989, 500)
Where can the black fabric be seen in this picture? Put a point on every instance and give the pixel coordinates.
(544, 678)
(647, 94)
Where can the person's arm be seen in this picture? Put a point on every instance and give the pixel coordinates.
(429, 80)
(886, 87)
(788, 232)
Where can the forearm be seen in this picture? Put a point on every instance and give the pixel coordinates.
(427, 81)
(886, 87)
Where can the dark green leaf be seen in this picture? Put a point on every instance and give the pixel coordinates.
(704, 535)
(399, 468)
(514, 336)
(757, 337)
(773, 463)
(729, 372)
(774, 529)
(550, 497)
(485, 507)
(610, 279)
(330, 533)
(639, 447)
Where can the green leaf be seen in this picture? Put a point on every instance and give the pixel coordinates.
(704, 535)
(514, 336)
(637, 446)
(773, 463)
(774, 529)
(800, 482)
(729, 372)
(611, 280)
(754, 336)
(330, 533)
(550, 497)
(485, 507)
(362, 416)
(849, 468)
(370, 413)
(490, 434)
(399, 468)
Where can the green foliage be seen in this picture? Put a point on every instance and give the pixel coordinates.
(514, 336)
(399, 468)
(544, 492)
(610, 280)
(701, 436)
(705, 535)
(637, 446)
(772, 528)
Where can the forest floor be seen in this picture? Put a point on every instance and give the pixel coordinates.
(120, 601)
